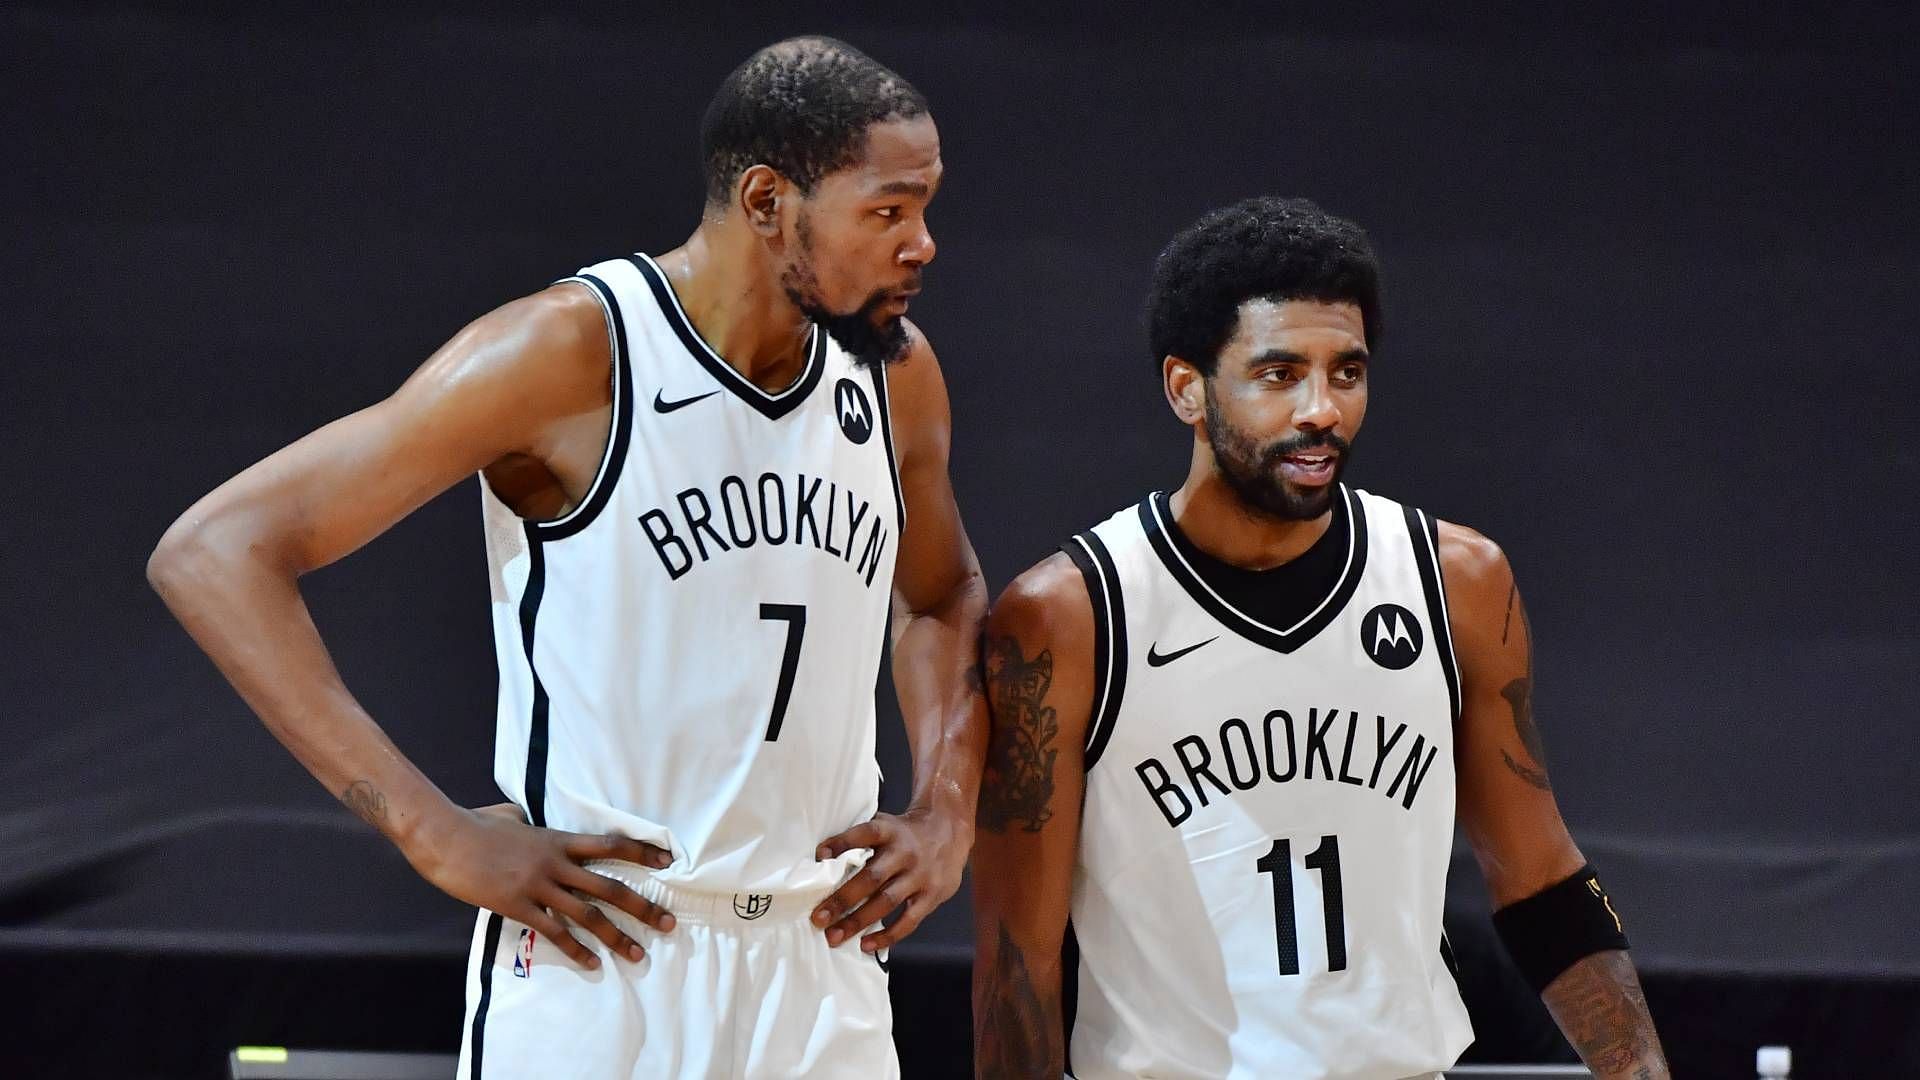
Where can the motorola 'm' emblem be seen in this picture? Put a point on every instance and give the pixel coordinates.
(1391, 636)
(856, 415)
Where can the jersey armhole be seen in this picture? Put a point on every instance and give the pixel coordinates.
(886, 436)
(1424, 533)
(620, 432)
(1109, 638)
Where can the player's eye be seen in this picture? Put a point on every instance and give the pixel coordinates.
(1352, 373)
(1276, 375)
(888, 212)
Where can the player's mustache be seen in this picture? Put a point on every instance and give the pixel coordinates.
(1312, 440)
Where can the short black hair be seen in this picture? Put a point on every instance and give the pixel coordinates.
(801, 106)
(1265, 247)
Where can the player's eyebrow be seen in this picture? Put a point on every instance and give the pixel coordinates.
(1288, 356)
(903, 187)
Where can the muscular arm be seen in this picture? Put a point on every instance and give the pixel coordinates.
(1039, 671)
(939, 604)
(229, 567)
(939, 598)
(1508, 810)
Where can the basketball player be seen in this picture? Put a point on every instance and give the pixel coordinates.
(1232, 725)
(710, 479)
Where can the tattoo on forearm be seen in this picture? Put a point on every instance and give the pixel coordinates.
(367, 803)
(1017, 785)
(1519, 695)
(1016, 1033)
(1602, 1011)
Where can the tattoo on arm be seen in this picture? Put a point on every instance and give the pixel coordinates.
(1017, 784)
(1602, 1011)
(1017, 1033)
(1506, 624)
(1519, 695)
(367, 803)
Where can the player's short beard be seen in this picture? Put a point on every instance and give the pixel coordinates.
(1253, 471)
(870, 342)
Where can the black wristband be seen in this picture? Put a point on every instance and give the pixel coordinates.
(1559, 926)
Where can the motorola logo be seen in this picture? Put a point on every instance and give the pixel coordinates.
(856, 415)
(1391, 636)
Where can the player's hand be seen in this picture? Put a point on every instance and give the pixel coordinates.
(491, 858)
(918, 858)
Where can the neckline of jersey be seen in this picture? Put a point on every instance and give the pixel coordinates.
(772, 406)
(1156, 519)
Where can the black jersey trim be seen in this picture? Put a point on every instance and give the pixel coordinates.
(1109, 638)
(489, 952)
(886, 433)
(771, 406)
(1156, 516)
(536, 779)
(1425, 535)
(620, 434)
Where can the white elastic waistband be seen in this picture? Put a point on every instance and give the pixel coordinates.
(737, 909)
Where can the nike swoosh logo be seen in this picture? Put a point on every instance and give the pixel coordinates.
(662, 405)
(1155, 658)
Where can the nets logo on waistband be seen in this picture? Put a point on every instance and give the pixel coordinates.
(752, 905)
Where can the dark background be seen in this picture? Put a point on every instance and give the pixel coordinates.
(1650, 326)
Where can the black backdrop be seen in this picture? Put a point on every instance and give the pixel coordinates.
(1650, 326)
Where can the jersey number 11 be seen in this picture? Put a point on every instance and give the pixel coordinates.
(1326, 858)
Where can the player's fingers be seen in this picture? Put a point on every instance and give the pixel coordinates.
(867, 834)
(543, 923)
(617, 893)
(851, 894)
(581, 847)
(909, 921)
(595, 922)
(878, 906)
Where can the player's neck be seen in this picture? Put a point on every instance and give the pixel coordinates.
(738, 309)
(1217, 521)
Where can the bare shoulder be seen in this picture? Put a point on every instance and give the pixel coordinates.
(551, 350)
(1047, 606)
(1481, 592)
(1469, 560)
(917, 398)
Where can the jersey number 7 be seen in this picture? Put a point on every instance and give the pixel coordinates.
(795, 616)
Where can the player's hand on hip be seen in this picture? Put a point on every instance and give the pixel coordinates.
(491, 858)
(917, 861)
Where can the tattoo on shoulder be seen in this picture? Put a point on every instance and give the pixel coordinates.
(367, 803)
(1506, 624)
(1017, 785)
(1519, 695)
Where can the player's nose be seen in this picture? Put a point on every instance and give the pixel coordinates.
(919, 248)
(1316, 409)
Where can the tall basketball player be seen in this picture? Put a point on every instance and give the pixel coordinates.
(711, 481)
(1232, 727)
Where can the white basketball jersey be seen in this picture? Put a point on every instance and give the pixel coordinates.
(1269, 815)
(689, 656)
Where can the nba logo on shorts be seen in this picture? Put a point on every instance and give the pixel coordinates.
(523, 956)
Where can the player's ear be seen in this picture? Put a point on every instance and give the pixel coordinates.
(758, 193)
(1186, 389)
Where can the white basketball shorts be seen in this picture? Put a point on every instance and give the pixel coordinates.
(743, 988)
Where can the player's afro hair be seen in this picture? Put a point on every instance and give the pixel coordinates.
(801, 106)
(1265, 247)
